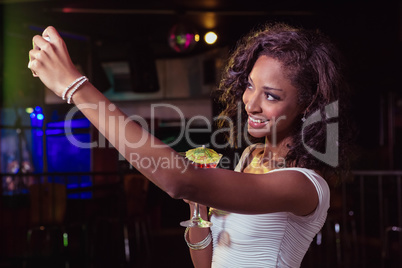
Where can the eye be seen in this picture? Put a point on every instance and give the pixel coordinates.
(249, 86)
(271, 97)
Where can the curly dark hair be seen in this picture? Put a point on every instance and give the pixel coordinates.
(314, 66)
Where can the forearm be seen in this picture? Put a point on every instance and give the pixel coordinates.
(135, 143)
(200, 258)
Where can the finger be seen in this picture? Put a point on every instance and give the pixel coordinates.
(34, 45)
(30, 66)
(38, 42)
(33, 62)
(51, 33)
(32, 56)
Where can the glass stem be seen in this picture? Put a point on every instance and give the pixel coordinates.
(196, 211)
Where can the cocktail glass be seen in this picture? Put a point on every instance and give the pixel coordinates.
(196, 220)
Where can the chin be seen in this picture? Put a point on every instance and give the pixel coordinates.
(258, 134)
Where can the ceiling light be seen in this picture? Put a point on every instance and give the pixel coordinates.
(210, 38)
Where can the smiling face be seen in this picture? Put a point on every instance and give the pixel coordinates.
(271, 101)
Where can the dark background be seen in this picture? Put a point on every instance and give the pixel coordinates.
(368, 33)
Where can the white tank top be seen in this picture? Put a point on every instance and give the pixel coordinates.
(278, 239)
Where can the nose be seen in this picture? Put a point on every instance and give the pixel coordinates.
(252, 102)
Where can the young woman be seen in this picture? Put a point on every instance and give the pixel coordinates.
(267, 211)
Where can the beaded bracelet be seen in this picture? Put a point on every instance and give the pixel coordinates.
(200, 245)
(69, 86)
(75, 89)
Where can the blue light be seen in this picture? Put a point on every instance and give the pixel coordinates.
(75, 123)
(37, 117)
(54, 131)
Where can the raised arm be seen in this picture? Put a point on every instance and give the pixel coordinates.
(219, 188)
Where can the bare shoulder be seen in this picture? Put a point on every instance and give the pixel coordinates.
(299, 192)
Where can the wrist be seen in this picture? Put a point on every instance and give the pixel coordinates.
(80, 95)
(198, 245)
(71, 89)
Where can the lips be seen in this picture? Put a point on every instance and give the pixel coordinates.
(257, 123)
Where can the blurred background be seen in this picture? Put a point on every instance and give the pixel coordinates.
(68, 206)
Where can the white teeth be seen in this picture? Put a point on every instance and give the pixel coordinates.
(257, 120)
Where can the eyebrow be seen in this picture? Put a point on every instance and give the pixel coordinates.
(271, 88)
(265, 87)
